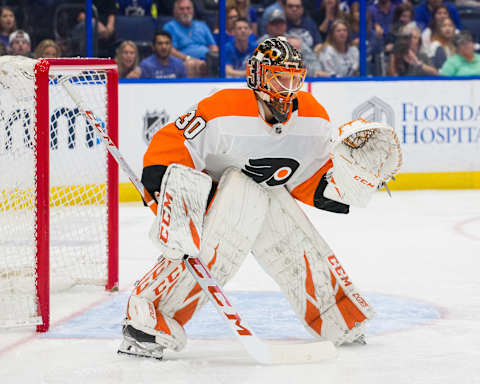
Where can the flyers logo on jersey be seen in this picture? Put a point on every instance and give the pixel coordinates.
(271, 171)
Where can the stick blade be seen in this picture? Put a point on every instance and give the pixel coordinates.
(302, 353)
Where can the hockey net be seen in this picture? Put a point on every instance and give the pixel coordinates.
(58, 186)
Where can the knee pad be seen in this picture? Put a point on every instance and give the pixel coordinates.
(168, 295)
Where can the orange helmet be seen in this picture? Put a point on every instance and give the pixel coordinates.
(276, 71)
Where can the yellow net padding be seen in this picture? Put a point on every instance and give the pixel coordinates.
(60, 196)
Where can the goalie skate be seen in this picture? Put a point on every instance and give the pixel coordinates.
(141, 344)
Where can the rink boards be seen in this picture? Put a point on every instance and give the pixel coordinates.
(436, 120)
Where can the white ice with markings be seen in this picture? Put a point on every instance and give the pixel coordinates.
(416, 257)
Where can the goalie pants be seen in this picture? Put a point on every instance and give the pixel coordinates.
(245, 217)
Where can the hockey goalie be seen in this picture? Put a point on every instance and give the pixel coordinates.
(232, 168)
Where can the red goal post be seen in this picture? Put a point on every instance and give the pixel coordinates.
(58, 184)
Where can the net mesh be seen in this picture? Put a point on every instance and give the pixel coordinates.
(78, 187)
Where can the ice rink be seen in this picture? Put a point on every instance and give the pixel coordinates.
(416, 256)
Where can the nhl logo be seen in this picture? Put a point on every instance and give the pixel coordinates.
(152, 122)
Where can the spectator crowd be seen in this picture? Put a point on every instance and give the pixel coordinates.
(167, 39)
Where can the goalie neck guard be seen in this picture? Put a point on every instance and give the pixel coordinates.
(276, 72)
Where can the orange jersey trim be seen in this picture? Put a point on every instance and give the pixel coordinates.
(168, 147)
(308, 106)
(228, 102)
(305, 192)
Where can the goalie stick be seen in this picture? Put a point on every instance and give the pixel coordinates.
(262, 352)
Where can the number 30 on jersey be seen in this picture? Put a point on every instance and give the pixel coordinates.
(190, 124)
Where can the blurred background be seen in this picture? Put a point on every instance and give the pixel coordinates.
(214, 38)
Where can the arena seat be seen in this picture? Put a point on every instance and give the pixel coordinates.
(470, 18)
(139, 29)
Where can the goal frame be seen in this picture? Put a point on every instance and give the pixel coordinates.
(42, 143)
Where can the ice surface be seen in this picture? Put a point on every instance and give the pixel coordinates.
(415, 256)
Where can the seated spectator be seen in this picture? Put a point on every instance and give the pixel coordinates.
(47, 49)
(135, 7)
(279, 4)
(192, 39)
(382, 17)
(238, 52)
(127, 60)
(375, 62)
(406, 59)
(403, 15)
(442, 46)
(338, 58)
(374, 37)
(311, 62)
(19, 44)
(7, 24)
(301, 25)
(276, 25)
(423, 13)
(161, 64)
(328, 12)
(245, 11)
(438, 15)
(465, 62)
(231, 16)
(105, 26)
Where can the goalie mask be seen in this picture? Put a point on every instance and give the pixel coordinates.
(276, 71)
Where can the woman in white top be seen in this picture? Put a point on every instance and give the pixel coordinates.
(337, 57)
(442, 46)
(439, 13)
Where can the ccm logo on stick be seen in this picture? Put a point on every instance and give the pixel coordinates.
(166, 216)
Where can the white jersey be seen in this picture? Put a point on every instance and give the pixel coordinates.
(226, 129)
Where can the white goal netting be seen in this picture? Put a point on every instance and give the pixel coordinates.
(78, 186)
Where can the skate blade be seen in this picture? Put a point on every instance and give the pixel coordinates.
(131, 350)
(145, 356)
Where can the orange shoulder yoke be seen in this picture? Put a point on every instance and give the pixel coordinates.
(228, 102)
(308, 106)
(167, 147)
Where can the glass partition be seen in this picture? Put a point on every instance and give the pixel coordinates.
(214, 38)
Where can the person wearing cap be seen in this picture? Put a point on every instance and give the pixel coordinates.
(19, 44)
(278, 5)
(276, 25)
(466, 62)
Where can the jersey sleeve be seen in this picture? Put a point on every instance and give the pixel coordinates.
(188, 140)
(310, 190)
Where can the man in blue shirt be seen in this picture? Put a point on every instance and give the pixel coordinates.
(238, 51)
(382, 16)
(161, 65)
(192, 40)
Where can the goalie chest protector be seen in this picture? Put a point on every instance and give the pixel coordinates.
(226, 129)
